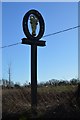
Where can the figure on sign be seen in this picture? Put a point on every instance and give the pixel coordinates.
(34, 23)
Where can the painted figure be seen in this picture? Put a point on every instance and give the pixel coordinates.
(34, 23)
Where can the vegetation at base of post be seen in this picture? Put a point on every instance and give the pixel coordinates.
(56, 99)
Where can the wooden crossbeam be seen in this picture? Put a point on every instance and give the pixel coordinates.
(30, 42)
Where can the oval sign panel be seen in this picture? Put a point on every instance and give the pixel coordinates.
(35, 18)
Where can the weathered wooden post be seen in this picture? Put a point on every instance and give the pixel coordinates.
(34, 40)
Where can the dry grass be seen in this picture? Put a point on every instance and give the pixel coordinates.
(52, 102)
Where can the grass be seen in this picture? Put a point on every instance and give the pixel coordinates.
(57, 88)
(53, 102)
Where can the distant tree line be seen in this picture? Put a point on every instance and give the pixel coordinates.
(54, 82)
(9, 84)
(5, 83)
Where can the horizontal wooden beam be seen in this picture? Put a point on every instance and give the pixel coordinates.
(30, 42)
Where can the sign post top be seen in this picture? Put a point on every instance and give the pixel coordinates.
(34, 16)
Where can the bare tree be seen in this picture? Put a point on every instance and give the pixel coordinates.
(9, 73)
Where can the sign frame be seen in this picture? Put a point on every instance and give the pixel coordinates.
(25, 25)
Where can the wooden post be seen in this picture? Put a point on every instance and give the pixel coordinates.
(34, 41)
(34, 45)
(34, 78)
